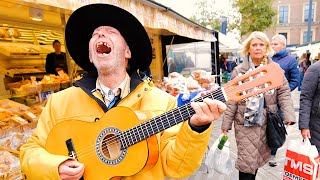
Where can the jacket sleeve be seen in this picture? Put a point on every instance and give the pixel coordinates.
(35, 161)
(285, 102)
(294, 75)
(308, 90)
(182, 149)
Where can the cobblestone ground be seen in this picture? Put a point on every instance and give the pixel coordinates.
(265, 172)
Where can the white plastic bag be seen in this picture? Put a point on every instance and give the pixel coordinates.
(301, 161)
(220, 160)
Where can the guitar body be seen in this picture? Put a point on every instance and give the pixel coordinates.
(98, 148)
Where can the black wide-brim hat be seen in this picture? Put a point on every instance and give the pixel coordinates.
(86, 19)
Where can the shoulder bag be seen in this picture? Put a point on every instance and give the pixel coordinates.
(276, 131)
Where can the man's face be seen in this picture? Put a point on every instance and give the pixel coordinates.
(277, 45)
(108, 50)
(57, 47)
(257, 49)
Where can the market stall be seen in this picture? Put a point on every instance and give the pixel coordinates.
(27, 30)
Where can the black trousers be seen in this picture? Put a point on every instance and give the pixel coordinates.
(247, 176)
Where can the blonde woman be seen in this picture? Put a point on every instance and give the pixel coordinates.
(249, 117)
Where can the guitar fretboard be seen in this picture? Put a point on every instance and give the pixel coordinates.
(163, 121)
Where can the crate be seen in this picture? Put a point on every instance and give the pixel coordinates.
(64, 85)
(55, 87)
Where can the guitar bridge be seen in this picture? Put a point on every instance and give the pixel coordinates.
(71, 150)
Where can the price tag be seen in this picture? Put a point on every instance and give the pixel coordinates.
(45, 95)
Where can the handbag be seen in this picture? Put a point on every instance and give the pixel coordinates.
(276, 131)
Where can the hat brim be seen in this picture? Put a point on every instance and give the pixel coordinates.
(86, 19)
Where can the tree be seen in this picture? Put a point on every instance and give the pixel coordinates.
(209, 13)
(257, 15)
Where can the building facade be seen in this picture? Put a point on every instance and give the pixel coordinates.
(292, 21)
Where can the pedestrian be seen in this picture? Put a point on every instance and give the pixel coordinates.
(56, 61)
(290, 66)
(304, 63)
(171, 65)
(114, 48)
(249, 117)
(309, 111)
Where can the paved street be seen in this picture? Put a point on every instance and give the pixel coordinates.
(265, 172)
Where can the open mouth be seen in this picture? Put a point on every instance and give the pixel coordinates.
(103, 48)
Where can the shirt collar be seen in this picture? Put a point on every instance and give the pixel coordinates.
(109, 94)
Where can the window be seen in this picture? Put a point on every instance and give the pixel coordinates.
(283, 14)
(306, 12)
(305, 36)
(285, 35)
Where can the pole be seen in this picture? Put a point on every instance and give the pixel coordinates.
(309, 23)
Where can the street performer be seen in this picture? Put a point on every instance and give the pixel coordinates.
(114, 48)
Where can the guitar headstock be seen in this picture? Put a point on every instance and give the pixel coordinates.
(254, 82)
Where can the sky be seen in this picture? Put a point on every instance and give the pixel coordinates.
(187, 7)
(183, 7)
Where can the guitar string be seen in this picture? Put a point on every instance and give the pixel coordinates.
(132, 140)
(114, 139)
(121, 136)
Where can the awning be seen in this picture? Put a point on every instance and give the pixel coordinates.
(314, 49)
(226, 44)
(150, 14)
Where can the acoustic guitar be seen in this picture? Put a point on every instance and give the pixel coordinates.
(120, 145)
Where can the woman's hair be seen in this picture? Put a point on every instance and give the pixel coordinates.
(257, 35)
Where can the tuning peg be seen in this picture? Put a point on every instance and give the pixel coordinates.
(270, 91)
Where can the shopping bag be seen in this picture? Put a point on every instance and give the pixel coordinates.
(219, 158)
(301, 161)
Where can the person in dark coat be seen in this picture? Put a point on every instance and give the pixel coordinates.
(287, 62)
(56, 61)
(309, 112)
(291, 70)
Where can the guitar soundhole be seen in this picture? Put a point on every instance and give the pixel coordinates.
(111, 146)
(108, 146)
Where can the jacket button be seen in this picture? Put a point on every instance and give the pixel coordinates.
(139, 95)
(145, 89)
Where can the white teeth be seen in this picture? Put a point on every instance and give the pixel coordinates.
(102, 43)
(106, 44)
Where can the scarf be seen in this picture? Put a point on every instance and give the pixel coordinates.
(254, 107)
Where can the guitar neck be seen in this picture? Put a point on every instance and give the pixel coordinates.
(164, 121)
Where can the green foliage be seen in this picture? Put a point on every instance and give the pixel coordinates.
(209, 13)
(213, 23)
(257, 15)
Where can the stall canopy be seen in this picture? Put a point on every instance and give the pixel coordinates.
(226, 44)
(313, 48)
(151, 14)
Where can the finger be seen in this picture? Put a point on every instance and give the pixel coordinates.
(221, 106)
(309, 135)
(72, 173)
(213, 107)
(203, 113)
(71, 169)
(216, 107)
(209, 108)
